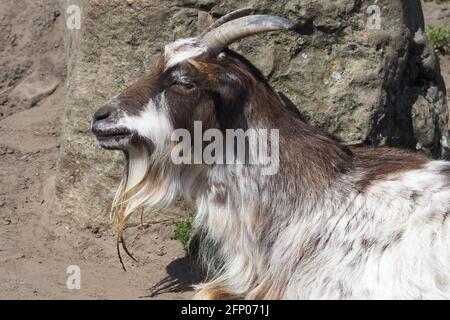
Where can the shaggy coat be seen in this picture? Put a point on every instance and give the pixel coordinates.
(333, 223)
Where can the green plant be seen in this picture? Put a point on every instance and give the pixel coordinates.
(183, 231)
(441, 1)
(439, 37)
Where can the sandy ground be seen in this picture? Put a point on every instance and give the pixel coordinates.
(38, 242)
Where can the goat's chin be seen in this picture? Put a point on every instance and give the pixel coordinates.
(127, 143)
(115, 143)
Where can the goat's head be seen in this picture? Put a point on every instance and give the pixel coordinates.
(196, 79)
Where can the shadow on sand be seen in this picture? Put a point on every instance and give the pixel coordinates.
(183, 273)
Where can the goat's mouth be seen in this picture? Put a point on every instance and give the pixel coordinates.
(114, 138)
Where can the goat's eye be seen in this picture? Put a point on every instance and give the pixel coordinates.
(189, 86)
(184, 84)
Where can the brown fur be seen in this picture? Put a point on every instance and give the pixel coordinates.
(218, 294)
(228, 92)
(380, 163)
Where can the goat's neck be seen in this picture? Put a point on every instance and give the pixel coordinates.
(237, 202)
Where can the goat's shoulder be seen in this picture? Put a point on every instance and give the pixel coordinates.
(378, 164)
(388, 158)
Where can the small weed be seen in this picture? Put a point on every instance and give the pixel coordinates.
(183, 231)
(439, 37)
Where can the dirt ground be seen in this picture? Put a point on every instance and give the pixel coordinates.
(38, 242)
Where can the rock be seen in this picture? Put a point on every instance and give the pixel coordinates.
(11, 74)
(161, 252)
(19, 256)
(23, 54)
(369, 86)
(32, 90)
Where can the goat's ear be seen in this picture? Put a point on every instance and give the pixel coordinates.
(204, 20)
(216, 78)
(209, 71)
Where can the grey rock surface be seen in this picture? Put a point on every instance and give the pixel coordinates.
(367, 86)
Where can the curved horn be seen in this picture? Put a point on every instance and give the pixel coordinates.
(228, 17)
(237, 29)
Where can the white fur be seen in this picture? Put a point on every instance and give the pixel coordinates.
(157, 187)
(152, 123)
(416, 265)
(182, 50)
(391, 241)
(278, 239)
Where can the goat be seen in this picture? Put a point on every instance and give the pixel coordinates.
(335, 222)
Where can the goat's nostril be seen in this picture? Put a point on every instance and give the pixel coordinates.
(103, 113)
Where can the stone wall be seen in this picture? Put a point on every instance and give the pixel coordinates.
(374, 87)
